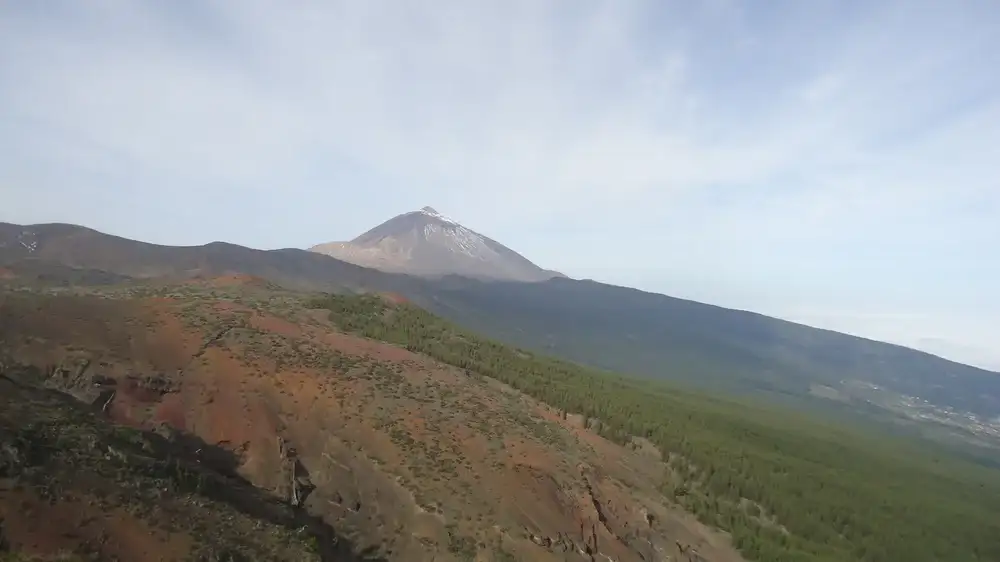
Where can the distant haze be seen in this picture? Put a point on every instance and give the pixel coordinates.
(830, 162)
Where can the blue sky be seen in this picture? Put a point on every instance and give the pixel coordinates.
(830, 162)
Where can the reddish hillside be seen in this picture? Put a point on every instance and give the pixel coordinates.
(412, 459)
(394, 298)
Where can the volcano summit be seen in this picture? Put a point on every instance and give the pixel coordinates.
(427, 243)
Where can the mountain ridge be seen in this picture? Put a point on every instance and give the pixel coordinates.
(614, 328)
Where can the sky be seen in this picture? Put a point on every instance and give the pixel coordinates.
(831, 162)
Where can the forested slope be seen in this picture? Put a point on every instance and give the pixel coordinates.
(788, 488)
(733, 351)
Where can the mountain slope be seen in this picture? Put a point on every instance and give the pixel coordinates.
(628, 330)
(439, 448)
(27, 247)
(409, 458)
(425, 447)
(425, 242)
(609, 327)
(786, 487)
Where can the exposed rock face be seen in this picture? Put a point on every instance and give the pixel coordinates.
(427, 243)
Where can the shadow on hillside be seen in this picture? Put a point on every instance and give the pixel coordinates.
(189, 463)
(239, 493)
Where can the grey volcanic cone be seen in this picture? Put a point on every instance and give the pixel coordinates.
(427, 243)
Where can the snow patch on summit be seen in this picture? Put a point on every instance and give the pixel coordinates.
(459, 239)
(431, 212)
(425, 242)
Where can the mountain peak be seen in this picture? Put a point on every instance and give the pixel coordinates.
(425, 242)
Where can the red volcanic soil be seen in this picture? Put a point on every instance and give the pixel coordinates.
(402, 452)
(394, 298)
(6, 273)
(75, 487)
(40, 527)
